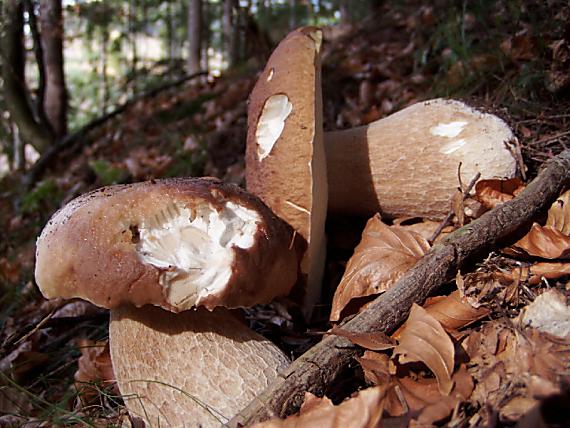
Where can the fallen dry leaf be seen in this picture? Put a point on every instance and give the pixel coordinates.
(442, 407)
(549, 313)
(375, 341)
(493, 192)
(424, 339)
(426, 228)
(534, 274)
(383, 255)
(559, 214)
(515, 408)
(415, 394)
(95, 366)
(453, 312)
(545, 242)
(500, 353)
(364, 410)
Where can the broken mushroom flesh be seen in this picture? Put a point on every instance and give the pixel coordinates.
(175, 243)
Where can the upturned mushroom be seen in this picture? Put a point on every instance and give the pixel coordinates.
(406, 164)
(285, 157)
(178, 244)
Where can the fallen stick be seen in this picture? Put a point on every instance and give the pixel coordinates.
(318, 367)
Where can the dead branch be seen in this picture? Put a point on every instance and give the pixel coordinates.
(318, 367)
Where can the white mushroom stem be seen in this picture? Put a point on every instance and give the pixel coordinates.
(192, 369)
(406, 164)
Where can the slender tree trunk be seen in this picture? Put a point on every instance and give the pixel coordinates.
(39, 111)
(230, 31)
(133, 30)
(206, 35)
(14, 85)
(344, 10)
(293, 14)
(51, 34)
(194, 35)
(104, 82)
(19, 151)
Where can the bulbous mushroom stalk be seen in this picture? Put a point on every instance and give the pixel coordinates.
(285, 158)
(406, 164)
(192, 369)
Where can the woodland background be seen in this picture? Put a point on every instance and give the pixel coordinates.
(103, 92)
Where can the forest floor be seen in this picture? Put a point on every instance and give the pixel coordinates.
(509, 58)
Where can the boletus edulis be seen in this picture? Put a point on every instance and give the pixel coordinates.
(177, 244)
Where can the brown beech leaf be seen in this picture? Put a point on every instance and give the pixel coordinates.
(364, 410)
(426, 228)
(375, 341)
(559, 214)
(424, 339)
(493, 192)
(94, 366)
(545, 242)
(383, 255)
(548, 313)
(376, 367)
(534, 274)
(439, 407)
(501, 352)
(453, 312)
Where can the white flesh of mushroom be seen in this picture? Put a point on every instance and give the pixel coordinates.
(271, 123)
(193, 246)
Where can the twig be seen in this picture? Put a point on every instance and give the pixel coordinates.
(449, 215)
(315, 370)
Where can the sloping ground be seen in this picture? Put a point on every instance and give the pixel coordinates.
(510, 58)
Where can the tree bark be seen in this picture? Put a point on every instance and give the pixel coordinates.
(51, 34)
(14, 85)
(194, 35)
(230, 31)
(344, 10)
(318, 367)
(30, 6)
(293, 14)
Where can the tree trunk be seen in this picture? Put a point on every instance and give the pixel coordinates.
(206, 34)
(30, 6)
(194, 35)
(133, 30)
(51, 34)
(344, 12)
(14, 85)
(293, 14)
(104, 82)
(230, 30)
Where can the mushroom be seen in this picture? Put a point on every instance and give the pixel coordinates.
(194, 368)
(406, 164)
(175, 243)
(178, 244)
(285, 158)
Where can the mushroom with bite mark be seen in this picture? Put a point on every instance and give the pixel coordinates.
(178, 244)
(285, 157)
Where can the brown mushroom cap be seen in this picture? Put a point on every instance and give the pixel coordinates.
(285, 159)
(192, 369)
(175, 243)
